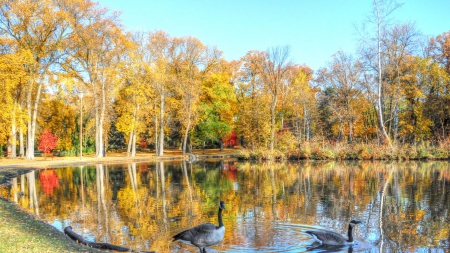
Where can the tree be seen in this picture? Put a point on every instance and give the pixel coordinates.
(195, 62)
(373, 55)
(300, 103)
(163, 54)
(217, 108)
(47, 142)
(275, 68)
(136, 94)
(40, 27)
(95, 49)
(13, 77)
(344, 77)
(266, 75)
(58, 118)
(438, 101)
(253, 110)
(399, 43)
(439, 49)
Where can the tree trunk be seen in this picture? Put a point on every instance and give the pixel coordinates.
(186, 133)
(102, 119)
(13, 136)
(379, 100)
(308, 128)
(161, 127)
(32, 113)
(395, 124)
(97, 118)
(272, 125)
(350, 133)
(130, 141)
(156, 135)
(133, 145)
(80, 239)
(21, 144)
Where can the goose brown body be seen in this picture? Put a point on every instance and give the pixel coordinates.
(326, 237)
(204, 235)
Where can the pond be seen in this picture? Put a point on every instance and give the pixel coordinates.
(404, 207)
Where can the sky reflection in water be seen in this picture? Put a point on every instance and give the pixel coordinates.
(269, 206)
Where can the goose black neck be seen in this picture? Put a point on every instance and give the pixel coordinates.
(350, 233)
(220, 217)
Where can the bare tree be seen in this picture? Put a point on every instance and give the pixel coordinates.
(275, 68)
(373, 56)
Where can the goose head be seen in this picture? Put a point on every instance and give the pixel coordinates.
(353, 223)
(222, 205)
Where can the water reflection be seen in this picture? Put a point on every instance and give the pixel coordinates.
(404, 207)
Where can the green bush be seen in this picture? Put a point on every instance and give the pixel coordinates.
(68, 153)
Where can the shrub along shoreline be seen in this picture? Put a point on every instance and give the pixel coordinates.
(317, 151)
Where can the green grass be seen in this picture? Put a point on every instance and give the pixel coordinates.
(20, 232)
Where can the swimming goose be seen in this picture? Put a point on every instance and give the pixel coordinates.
(204, 235)
(325, 237)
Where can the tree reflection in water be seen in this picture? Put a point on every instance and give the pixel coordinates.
(404, 206)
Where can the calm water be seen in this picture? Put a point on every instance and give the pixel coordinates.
(404, 207)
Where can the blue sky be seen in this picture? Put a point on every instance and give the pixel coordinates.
(314, 29)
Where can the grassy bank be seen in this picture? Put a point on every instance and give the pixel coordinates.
(342, 151)
(20, 232)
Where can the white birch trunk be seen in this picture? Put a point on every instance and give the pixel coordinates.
(186, 132)
(13, 139)
(32, 113)
(161, 122)
(97, 119)
(133, 146)
(21, 144)
(379, 99)
(130, 140)
(156, 135)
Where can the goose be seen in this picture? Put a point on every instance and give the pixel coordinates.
(204, 235)
(326, 237)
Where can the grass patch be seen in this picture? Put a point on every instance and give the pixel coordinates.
(20, 232)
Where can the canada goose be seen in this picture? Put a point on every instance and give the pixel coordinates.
(204, 235)
(325, 237)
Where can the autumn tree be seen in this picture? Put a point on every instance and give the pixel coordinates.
(58, 118)
(344, 77)
(94, 52)
(163, 54)
(217, 108)
(13, 77)
(253, 110)
(192, 66)
(47, 142)
(373, 54)
(438, 102)
(135, 97)
(39, 27)
(275, 73)
(300, 106)
(399, 43)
